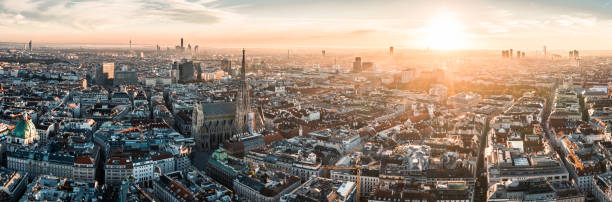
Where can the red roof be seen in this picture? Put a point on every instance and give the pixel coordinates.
(119, 161)
(84, 160)
(269, 139)
(160, 156)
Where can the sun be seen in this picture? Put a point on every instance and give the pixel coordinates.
(443, 32)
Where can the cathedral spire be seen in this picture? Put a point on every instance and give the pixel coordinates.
(243, 107)
(243, 68)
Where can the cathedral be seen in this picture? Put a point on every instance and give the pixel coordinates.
(215, 123)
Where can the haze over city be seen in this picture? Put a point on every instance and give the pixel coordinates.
(305, 101)
(472, 24)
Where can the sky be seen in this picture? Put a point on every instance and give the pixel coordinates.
(411, 24)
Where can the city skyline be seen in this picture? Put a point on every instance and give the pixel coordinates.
(444, 25)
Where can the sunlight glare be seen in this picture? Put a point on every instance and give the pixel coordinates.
(445, 33)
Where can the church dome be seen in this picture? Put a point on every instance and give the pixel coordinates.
(25, 128)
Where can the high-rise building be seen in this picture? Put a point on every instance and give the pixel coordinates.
(125, 78)
(518, 54)
(391, 51)
(226, 65)
(574, 54)
(544, 51)
(182, 47)
(186, 71)
(511, 53)
(108, 69)
(195, 49)
(357, 64)
(174, 72)
(30, 46)
(323, 53)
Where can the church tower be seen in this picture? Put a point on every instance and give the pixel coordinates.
(243, 102)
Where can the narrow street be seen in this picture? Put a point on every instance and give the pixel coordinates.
(481, 185)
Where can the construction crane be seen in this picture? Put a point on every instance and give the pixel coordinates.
(356, 167)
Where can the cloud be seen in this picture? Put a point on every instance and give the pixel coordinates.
(100, 14)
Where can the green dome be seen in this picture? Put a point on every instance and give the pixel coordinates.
(25, 128)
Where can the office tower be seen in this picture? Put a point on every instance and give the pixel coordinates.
(391, 51)
(125, 78)
(182, 47)
(545, 50)
(511, 53)
(226, 65)
(243, 100)
(186, 70)
(198, 70)
(174, 69)
(576, 54)
(573, 54)
(189, 47)
(130, 44)
(518, 54)
(99, 74)
(30, 46)
(323, 53)
(357, 64)
(195, 49)
(108, 69)
(523, 54)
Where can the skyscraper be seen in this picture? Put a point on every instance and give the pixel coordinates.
(108, 69)
(323, 53)
(544, 51)
(182, 47)
(243, 103)
(357, 64)
(391, 51)
(226, 65)
(186, 70)
(30, 46)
